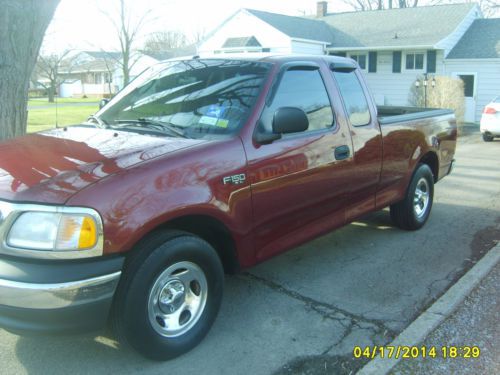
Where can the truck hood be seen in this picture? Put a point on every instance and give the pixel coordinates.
(52, 166)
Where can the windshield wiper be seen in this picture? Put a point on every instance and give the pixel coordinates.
(99, 122)
(146, 122)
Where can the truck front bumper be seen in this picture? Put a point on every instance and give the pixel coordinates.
(55, 297)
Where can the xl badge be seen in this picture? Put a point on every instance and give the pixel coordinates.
(235, 179)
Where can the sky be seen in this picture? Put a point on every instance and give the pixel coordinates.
(82, 24)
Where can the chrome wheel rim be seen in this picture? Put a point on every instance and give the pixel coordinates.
(421, 198)
(177, 299)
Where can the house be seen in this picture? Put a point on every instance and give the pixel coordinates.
(250, 30)
(476, 59)
(98, 73)
(393, 47)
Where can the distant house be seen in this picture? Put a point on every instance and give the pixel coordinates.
(98, 73)
(393, 47)
(476, 58)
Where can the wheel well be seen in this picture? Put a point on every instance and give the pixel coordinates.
(432, 161)
(212, 231)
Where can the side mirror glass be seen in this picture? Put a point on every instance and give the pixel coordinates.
(289, 120)
(103, 102)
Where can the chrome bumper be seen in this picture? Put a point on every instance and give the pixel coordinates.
(58, 295)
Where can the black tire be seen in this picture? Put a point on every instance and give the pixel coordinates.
(487, 137)
(409, 214)
(132, 313)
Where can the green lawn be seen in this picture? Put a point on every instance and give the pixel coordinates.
(42, 119)
(44, 101)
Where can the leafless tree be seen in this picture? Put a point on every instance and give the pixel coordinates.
(490, 8)
(198, 35)
(49, 67)
(110, 68)
(127, 27)
(22, 27)
(165, 41)
(380, 4)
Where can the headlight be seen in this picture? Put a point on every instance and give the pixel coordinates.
(53, 231)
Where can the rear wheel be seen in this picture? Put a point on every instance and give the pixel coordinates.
(169, 295)
(487, 137)
(413, 211)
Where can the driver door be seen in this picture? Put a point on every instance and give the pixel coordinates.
(300, 183)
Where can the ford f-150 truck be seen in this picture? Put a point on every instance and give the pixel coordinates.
(197, 168)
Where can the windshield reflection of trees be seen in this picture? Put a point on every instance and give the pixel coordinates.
(183, 97)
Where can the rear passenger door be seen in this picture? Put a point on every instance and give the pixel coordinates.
(366, 138)
(299, 183)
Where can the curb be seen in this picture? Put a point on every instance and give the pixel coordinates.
(439, 311)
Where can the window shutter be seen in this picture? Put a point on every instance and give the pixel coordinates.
(431, 61)
(372, 62)
(396, 61)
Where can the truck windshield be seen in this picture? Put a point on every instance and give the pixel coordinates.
(192, 98)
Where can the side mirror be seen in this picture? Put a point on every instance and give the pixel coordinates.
(103, 102)
(285, 120)
(289, 120)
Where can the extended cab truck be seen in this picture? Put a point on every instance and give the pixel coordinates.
(198, 167)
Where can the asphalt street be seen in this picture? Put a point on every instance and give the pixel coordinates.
(305, 310)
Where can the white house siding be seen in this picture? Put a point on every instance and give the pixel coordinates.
(140, 63)
(487, 78)
(390, 88)
(307, 48)
(245, 24)
(451, 40)
(76, 89)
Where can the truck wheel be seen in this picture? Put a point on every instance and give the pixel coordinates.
(487, 137)
(413, 211)
(169, 295)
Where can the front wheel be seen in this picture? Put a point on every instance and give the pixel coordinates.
(413, 211)
(487, 137)
(169, 295)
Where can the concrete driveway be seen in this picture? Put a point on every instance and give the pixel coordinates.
(305, 310)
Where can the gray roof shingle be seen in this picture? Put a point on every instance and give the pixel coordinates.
(104, 55)
(420, 26)
(481, 41)
(246, 41)
(296, 27)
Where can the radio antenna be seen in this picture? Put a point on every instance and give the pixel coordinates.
(55, 97)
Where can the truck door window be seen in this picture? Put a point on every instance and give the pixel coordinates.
(354, 98)
(303, 89)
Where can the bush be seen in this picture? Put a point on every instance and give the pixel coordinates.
(37, 93)
(447, 93)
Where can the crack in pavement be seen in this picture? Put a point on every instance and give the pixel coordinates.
(320, 307)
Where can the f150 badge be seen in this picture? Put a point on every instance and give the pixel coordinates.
(235, 179)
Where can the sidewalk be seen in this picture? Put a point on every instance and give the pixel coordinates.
(475, 323)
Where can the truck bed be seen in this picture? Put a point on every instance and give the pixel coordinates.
(393, 114)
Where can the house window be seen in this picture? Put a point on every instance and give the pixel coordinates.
(414, 61)
(360, 59)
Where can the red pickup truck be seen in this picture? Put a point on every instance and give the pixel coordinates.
(200, 167)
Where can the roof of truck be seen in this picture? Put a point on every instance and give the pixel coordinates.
(265, 57)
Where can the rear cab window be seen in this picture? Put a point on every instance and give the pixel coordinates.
(353, 96)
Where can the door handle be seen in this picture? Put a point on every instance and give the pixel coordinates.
(342, 152)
